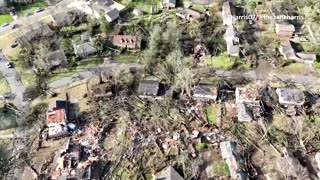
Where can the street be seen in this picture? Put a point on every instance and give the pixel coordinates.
(12, 77)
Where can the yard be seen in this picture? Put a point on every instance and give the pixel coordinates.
(296, 68)
(32, 7)
(223, 61)
(4, 87)
(146, 5)
(128, 58)
(5, 18)
(211, 114)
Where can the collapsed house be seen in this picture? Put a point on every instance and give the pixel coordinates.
(289, 53)
(168, 173)
(287, 96)
(205, 92)
(69, 163)
(51, 60)
(101, 91)
(284, 29)
(126, 41)
(34, 33)
(232, 158)
(248, 106)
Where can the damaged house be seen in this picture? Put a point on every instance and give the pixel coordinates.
(51, 60)
(168, 4)
(289, 53)
(205, 92)
(168, 173)
(56, 120)
(248, 106)
(232, 41)
(232, 158)
(68, 164)
(287, 96)
(148, 88)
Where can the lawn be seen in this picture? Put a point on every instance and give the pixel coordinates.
(211, 114)
(223, 61)
(7, 39)
(220, 168)
(296, 68)
(128, 58)
(82, 66)
(4, 87)
(145, 6)
(31, 8)
(5, 18)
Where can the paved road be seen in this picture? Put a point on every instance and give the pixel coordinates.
(16, 86)
(87, 73)
(27, 21)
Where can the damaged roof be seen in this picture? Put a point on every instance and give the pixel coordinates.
(208, 91)
(168, 173)
(57, 116)
(288, 96)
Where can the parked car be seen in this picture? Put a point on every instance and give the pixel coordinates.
(38, 10)
(14, 26)
(9, 65)
(5, 24)
(15, 44)
(28, 14)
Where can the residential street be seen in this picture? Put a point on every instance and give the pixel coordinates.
(26, 21)
(16, 86)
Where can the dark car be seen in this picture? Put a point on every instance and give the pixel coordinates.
(14, 26)
(38, 10)
(28, 14)
(9, 65)
(15, 44)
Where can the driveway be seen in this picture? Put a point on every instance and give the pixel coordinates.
(15, 84)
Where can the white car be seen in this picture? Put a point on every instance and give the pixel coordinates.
(9, 65)
(38, 10)
(5, 24)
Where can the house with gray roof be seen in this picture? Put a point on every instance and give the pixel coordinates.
(289, 53)
(244, 112)
(232, 158)
(288, 96)
(169, 4)
(168, 173)
(85, 46)
(228, 14)
(109, 8)
(205, 92)
(232, 41)
(148, 88)
(188, 14)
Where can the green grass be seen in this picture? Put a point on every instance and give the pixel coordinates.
(4, 87)
(128, 58)
(31, 8)
(220, 168)
(145, 5)
(198, 7)
(223, 61)
(211, 114)
(5, 18)
(296, 68)
(82, 66)
(201, 146)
